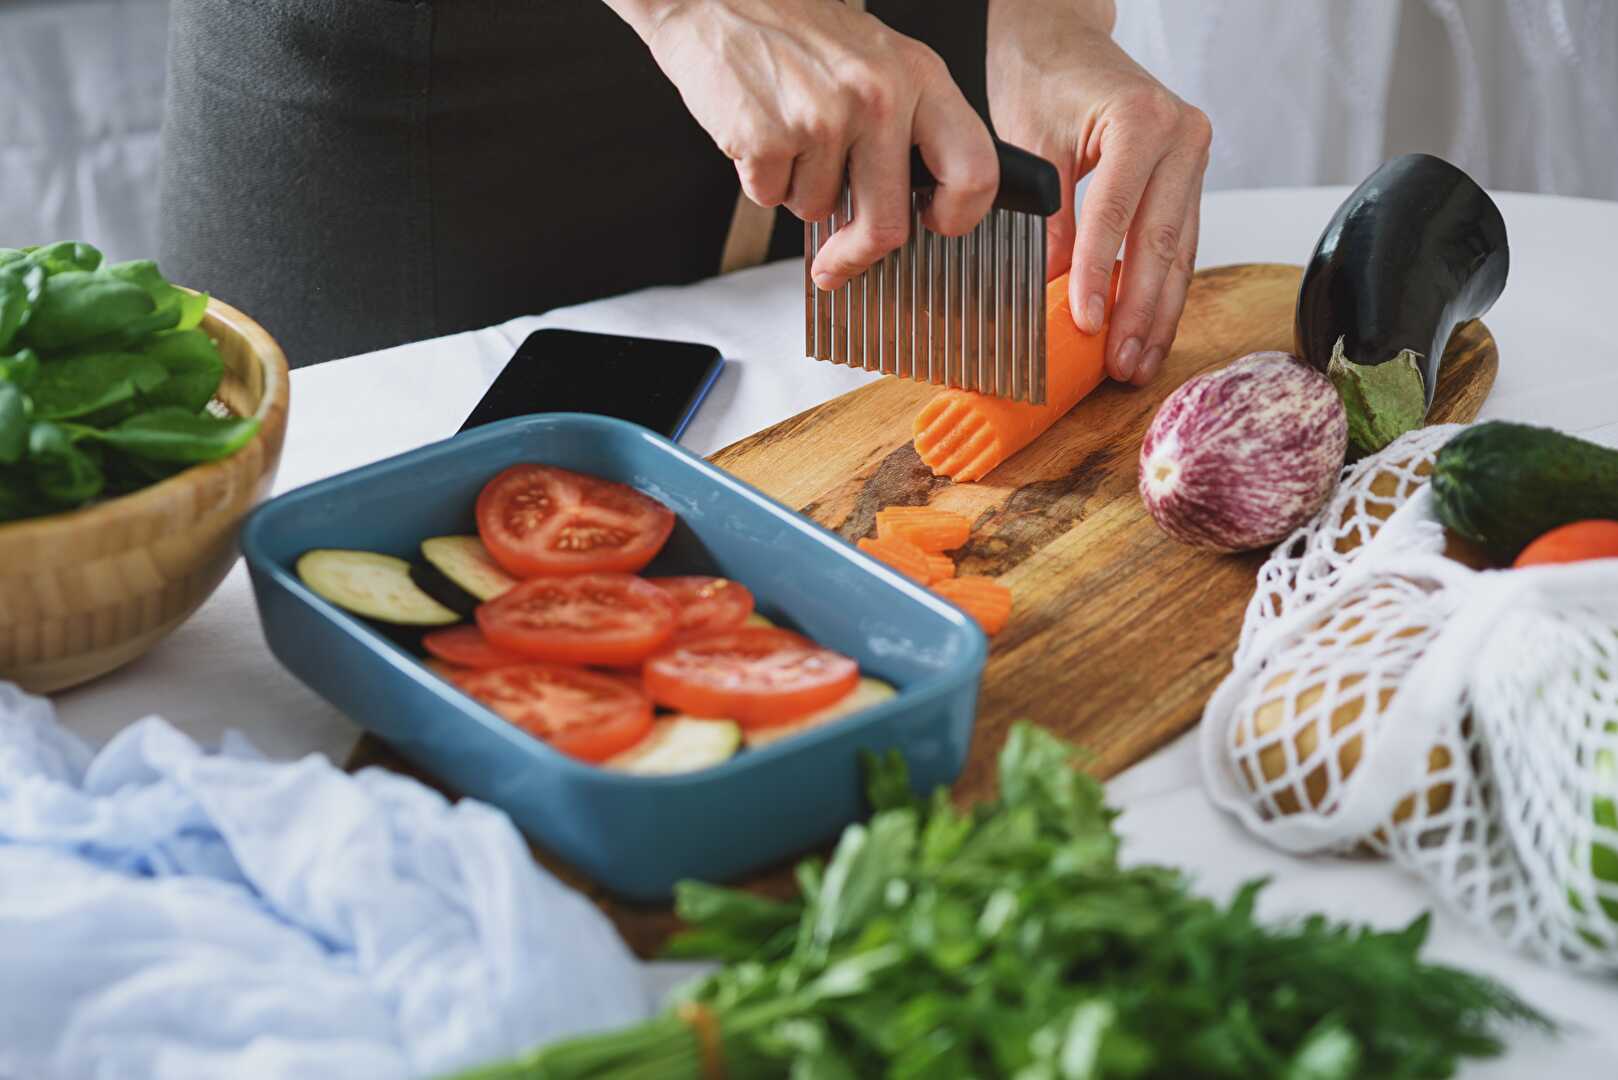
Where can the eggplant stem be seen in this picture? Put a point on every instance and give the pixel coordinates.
(1383, 400)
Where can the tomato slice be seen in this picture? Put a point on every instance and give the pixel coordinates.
(755, 675)
(580, 713)
(613, 620)
(467, 647)
(707, 603)
(540, 520)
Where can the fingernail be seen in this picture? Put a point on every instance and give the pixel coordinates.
(824, 280)
(1128, 356)
(1150, 364)
(1095, 310)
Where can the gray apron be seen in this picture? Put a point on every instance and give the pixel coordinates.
(359, 173)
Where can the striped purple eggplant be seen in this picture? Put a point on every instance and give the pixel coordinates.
(1237, 458)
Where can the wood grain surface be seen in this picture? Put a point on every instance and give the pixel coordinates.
(1119, 634)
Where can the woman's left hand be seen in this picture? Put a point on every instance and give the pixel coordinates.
(1060, 87)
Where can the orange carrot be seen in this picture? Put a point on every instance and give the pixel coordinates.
(902, 555)
(939, 567)
(983, 598)
(931, 530)
(962, 434)
(1574, 542)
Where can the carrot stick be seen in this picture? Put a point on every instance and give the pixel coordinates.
(983, 598)
(931, 530)
(963, 435)
(902, 555)
(939, 567)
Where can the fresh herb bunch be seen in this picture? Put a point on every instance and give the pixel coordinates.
(105, 379)
(1008, 941)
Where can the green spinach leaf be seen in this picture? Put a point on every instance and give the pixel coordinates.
(77, 307)
(13, 423)
(20, 288)
(175, 435)
(18, 499)
(174, 308)
(67, 255)
(193, 367)
(80, 385)
(21, 367)
(63, 472)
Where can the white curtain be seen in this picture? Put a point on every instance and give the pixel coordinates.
(1523, 94)
(81, 105)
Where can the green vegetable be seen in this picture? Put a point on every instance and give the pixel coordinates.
(64, 473)
(193, 367)
(13, 423)
(80, 385)
(65, 255)
(174, 435)
(1502, 485)
(22, 368)
(174, 308)
(77, 307)
(105, 380)
(18, 499)
(1008, 940)
(20, 287)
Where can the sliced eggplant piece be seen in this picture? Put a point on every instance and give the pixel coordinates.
(866, 693)
(372, 585)
(680, 744)
(1415, 251)
(431, 580)
(465, 561)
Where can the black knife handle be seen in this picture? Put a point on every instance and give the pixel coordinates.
(1028, 183)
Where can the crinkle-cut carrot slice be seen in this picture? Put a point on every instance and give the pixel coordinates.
(939, 567)
(931, 530)
(903, 556)
(964, 435)
(983, 598)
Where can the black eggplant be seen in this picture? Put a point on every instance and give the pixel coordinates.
(1415, 251)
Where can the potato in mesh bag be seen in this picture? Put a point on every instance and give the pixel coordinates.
(1310, 713)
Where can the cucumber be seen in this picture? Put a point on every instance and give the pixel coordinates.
(1502, 485)
(372, 585)
(466, 562)
(680, 744)
(869, 692)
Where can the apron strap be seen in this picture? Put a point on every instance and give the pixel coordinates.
(751, 225)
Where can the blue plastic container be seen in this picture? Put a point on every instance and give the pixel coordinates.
(634, 835)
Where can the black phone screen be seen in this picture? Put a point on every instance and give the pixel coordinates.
(657, 384)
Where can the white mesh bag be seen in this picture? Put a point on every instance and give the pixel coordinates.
(1317, 553)
(1392, 699)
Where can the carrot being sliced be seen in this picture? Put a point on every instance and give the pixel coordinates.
(963, 435)
(983, 598)
(931, 530)
(939, 567)
(902, 555)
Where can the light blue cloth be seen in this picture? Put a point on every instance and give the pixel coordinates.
(171, 913)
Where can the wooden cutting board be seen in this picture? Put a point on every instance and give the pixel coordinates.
(1119, 634)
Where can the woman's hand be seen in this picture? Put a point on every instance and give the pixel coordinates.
(1060, 87)
(802, 94)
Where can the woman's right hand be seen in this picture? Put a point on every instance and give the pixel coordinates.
(801, 95)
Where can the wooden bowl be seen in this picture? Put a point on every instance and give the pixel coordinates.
(85, 592)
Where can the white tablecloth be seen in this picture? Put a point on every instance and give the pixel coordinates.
(1559, 366)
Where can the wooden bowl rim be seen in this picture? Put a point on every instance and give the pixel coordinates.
(271, 414)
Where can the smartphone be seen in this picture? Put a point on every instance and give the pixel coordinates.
(655, 383)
